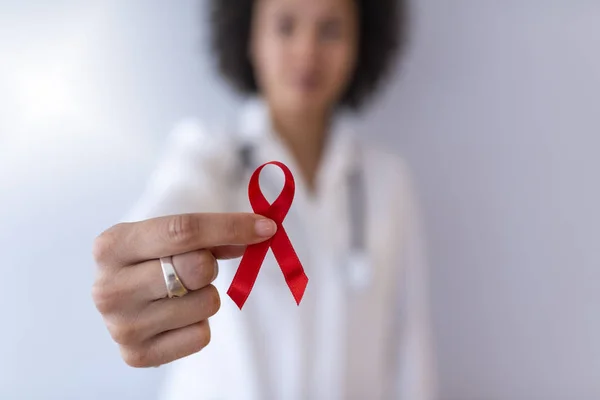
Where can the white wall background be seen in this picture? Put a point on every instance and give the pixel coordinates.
(497, 109)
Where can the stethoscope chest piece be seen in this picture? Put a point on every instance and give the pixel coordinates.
(359, 271)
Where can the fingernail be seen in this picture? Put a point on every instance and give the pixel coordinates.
(265, 227)
(216, 270)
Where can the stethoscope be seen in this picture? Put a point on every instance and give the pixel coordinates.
(356, 266)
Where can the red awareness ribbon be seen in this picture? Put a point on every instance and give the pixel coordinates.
(280, 244)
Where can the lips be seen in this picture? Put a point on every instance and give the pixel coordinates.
(307, 82)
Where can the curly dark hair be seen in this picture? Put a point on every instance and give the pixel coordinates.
(383, 34)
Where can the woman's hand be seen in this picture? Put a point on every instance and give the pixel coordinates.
(130, 291)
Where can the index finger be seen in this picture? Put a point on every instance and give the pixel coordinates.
(130, 243)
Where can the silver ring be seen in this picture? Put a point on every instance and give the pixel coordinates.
(175, 287)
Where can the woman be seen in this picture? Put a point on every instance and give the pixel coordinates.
(361, 331)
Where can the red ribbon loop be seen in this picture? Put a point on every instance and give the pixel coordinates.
(280, 244)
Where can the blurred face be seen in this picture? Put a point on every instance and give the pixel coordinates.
(304, 51)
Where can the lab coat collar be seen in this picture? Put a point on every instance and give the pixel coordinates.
(339, 157)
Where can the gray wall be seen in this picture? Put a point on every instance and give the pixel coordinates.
(496, 108)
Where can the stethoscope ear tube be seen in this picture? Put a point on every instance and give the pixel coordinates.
(358, 266)
(356, 208)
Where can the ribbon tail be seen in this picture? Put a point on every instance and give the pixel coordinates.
(247, 272)
(290, 264)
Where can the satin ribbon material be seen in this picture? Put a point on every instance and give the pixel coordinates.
(280, 243)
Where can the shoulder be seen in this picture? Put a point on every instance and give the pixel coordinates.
(195, 152)
(193, 145)
(192, 173)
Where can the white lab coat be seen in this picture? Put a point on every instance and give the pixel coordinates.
(344, 341)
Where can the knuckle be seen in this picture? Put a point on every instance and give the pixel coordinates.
(136, 357)
(103, 246)
(124, 333)
(181, 229)
(104, 297)
(206, 265)
(193, 277)
(212, 300)
(202, 339)
(203, 258)
(201, 269)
